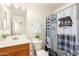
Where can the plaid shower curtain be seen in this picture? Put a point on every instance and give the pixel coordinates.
(67, 43)
(67, 40)
(49, 21)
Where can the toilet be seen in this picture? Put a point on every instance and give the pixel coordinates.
(41, 53)
(38, 49)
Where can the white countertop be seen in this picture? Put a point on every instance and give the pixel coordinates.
(21, 40)
(10, 42)
(36, 41)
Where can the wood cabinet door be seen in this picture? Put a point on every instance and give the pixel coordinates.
(21, 53)
(18, 50)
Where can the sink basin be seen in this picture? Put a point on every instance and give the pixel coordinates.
(10, 42)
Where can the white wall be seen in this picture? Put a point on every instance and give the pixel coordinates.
(36, 15)
(63, 7)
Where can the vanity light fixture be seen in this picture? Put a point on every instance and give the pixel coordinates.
(15, 6)
(23, 8)
(18, 6)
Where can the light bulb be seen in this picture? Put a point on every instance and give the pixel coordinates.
(16, 6)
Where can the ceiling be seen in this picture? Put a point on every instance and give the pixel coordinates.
(39, 6)
(45, 4)
(44, 8)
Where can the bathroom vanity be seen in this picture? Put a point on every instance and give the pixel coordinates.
(13, 21)
(10, 47)
(17, 50)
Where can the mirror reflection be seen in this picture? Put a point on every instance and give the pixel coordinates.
(12, 19)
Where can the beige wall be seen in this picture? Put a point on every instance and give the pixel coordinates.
(63, 7)
(36, 15)
(39, 14)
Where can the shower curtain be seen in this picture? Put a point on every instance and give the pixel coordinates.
(67, 34)
(48, 32)
(51, 22)
(67, 31)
